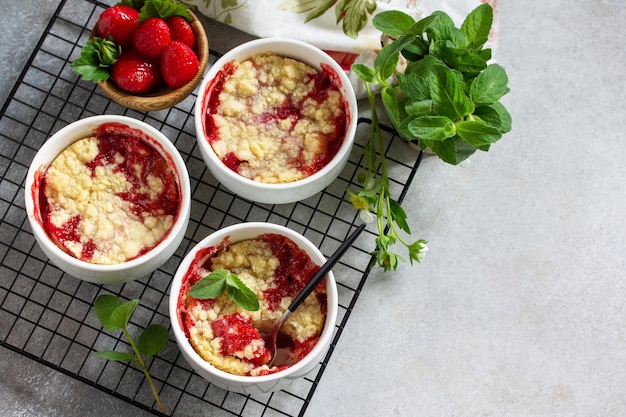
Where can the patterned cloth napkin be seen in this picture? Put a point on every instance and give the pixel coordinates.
(268, 18)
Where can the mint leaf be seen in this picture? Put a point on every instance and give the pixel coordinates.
(448, 94)
(420, 27)
(452, 37)
(115, 314)
(387, 59)
(403, 127)
(210, 286)
(363, 72)
(426, 68)
(485, 54)
(495, 115)
(394, 23)
(163, 9)
(104, 306)
(477, 25)
(505, 117)
(121, 315)
(477, 133)
(418, 108)
(116, 356)
(241, 294)
(153, 339)
(462, 60)
(463, 149)
(438, 25)
(390, 102)
(445, 149)
(489, 86)
(414, 85)
(453, 150)
(432, 128)
(416, 50)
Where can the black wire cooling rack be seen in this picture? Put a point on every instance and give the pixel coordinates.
(47, 315)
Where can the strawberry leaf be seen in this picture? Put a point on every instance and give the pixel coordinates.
(163, 9)
(399, 215)
(135, 4)
(95, 58)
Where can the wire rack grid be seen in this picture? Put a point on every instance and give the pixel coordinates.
(47, 315)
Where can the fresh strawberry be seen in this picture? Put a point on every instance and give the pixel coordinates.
(179, 64)
(135, 73)
(119, 22)
(181, 30)
(151, 37)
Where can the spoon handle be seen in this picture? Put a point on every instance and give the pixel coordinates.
(325, 268)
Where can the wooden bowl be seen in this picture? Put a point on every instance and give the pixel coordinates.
(164, 97)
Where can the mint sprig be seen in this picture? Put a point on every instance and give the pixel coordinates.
(212, 286)
(447, 98)
(114, 314)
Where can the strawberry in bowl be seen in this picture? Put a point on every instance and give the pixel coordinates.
(145, 55)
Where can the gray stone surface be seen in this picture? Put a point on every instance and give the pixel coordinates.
(34, 390)
(519, 307)
(22, 27)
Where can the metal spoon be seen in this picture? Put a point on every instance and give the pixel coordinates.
(270, 338)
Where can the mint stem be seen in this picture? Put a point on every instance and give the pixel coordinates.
(375, 137)
(383, 208)
(144, 369)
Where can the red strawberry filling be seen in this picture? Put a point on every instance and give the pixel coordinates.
(229, 338)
